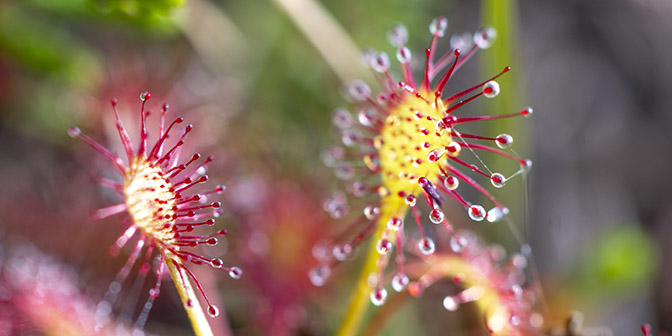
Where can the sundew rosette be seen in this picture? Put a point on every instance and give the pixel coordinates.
(403, 146)
(166, 199)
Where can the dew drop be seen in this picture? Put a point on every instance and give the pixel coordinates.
(350, 137)
(378, 296)
(436, 216)
(340, 252)
(235, 272)
(358, 189)
(484, 37)
(330, 156)
(461, 41)
(213, 311)
(496, 214)
(399, 282)
(359, 91)
(438, 26)
(426, 246)
(189, 303)
(504, 141)
(372, 162)
(74, 132)
(518, 261)
(341, 118)
(457, 243)
(216, 263)
(154, 293)
(451, 182)
(145, 96)
(380, 63)
(344, 171)
(527, 166)
(384, 246)
(398, 35)
(451, 303)
(212, 241)
(319, 275)
(476, 212)
(371, 212)
(491, 89)
(404, 55)
(435, 154)
(498, 180)
(394, 224)
(411, 200)
(366, 116)
(453, 148)
(527, 112)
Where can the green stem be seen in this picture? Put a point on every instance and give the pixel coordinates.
(189, 300)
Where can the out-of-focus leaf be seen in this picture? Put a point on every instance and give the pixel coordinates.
(619, 261)
(43, 49)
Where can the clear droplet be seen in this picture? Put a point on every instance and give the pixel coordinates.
(461, 41)
(399, 282)
(457, 243)
(484, 37)
(477, 213)
(371, 161)
(330, 156)
(359, 91)
(378, 296)
(504, 141)
(341, 118)
(235, 272)
(438, 26)
(366, 116)
(394, 224)
(453, 148)
(426, 246)
(319, 275)
(451, 182)
(527, 166)
(154, 293)
(216, 263)
(491, 89)
(74, 132)
(398, 35)
(371, 212)
(498, 180)
(411, 200)
(435, 154)
(144, 96)
(341, 252)
(436, 216)
(451, 303)
(519, 261)
(213, 311)
(404, 55)
(384, 246)
(358, 189)
(350, 137)
(380, 63)
(496, 214)
(527, 112)
(344, 171)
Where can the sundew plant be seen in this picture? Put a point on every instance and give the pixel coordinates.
(311, 167)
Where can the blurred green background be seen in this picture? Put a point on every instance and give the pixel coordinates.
(253, 78)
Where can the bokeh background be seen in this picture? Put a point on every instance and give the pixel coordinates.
(259, 80)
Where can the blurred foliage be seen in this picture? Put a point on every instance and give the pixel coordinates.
(623, 260)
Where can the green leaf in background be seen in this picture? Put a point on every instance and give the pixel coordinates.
(622, 260)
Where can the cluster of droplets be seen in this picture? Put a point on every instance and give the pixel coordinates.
(161, 195)
(408, 141)
(495, 283)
